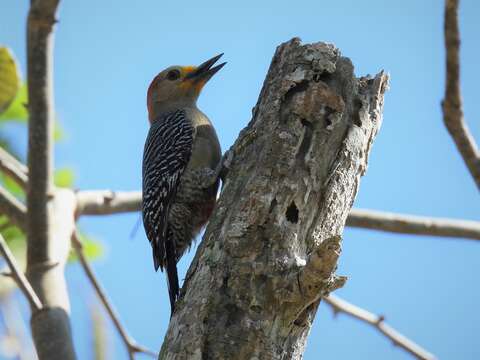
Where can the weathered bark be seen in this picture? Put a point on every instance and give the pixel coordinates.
(50, 219)
(270, 250)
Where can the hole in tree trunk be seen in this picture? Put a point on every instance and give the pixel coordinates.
(273, 204)
(356, 115)
(292, 213)
(324, 76)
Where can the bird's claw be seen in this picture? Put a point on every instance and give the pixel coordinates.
(226, 164)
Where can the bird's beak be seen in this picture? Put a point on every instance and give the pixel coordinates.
(205, 71)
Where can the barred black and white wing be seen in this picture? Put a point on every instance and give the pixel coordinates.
(167, 151)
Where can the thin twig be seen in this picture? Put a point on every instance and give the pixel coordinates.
(131, 345)
(19, 277)
(452, 103)
(104, 202)
(13, 208)
(341, 306)
(13, 168)
(411, 224)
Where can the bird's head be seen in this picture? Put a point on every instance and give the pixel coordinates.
(179, 86)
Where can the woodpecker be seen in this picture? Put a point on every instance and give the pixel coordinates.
(181, 166)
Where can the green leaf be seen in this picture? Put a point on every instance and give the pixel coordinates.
(9, 78)
(64, 177)
(14, 237)
(92, 248)
(12, 186)
(9, 231)
(17, 110)
(16, 242)
(58, 132)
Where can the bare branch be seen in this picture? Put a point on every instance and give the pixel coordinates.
(104, 202)
(99, 333)
(13, 168)
(410, 224)
(13, 208)
(94, 202)
(341, 306)
(452, 103)
(19, 277)
(48, 279)
(50, 213)
(41, 19)
(131, 345)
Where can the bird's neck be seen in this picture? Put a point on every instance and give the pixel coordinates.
(157, 110)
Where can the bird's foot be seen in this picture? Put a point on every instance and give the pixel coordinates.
(225, 165)
(207, 177)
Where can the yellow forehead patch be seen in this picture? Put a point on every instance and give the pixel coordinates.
(189, 85)
(188, 69)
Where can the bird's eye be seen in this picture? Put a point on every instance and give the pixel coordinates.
(173, 74)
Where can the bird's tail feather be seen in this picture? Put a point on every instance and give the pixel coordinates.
(157, 258)
(172, 275)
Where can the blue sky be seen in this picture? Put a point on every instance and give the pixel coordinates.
(107, 52)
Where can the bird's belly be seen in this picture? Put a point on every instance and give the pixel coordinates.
(191, 209)
(204, 212)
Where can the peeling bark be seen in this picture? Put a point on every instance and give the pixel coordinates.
(270, 250)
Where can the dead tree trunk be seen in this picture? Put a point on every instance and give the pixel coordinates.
(270, 251)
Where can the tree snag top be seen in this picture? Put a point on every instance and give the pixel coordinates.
(270, 250)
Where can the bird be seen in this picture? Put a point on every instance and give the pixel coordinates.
(182, 164)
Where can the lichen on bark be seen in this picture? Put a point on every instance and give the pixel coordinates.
(270, 250)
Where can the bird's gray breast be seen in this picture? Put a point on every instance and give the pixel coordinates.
(206, 148)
